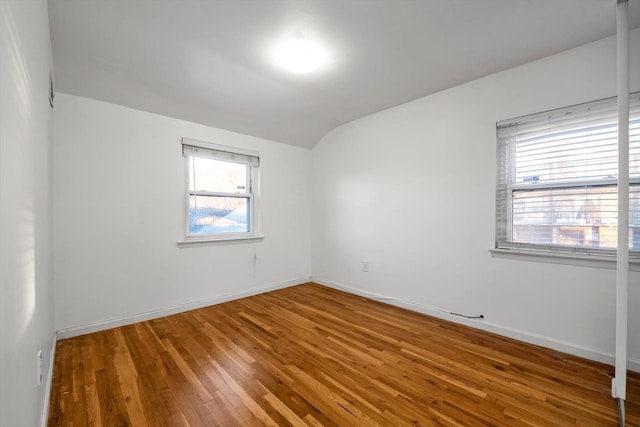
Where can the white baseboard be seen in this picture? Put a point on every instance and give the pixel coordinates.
(532, 338)
(167, 311)
(47, 385)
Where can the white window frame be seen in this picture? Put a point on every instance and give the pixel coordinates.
(504, 244)
(224, 153)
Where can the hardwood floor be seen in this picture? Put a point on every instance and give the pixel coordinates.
(313, 356)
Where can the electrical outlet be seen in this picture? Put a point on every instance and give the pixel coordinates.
(365, 266)
(39, 367)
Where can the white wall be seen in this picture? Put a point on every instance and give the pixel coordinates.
(119, 211)
(412, 189)
(26, 298)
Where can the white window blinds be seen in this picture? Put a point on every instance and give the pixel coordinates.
(227, 156)
(557, 177)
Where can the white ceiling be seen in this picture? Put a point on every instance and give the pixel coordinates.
(207, 61)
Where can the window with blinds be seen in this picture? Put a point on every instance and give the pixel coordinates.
(557, 179)
(221, 191)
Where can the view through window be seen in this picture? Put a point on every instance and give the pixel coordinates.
(557, 178)
(221, 191)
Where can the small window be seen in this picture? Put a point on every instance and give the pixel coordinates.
(557, 179)
(221, 192)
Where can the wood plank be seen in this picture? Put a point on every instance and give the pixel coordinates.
(313, 356)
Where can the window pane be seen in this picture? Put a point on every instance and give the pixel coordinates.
(589, 152)
(579, 217)
(217, 176)
(214, 215)
(634, 146)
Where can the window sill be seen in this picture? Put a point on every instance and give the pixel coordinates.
(556, 257)
(219, 241)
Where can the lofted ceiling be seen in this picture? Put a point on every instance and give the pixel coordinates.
(208, 61)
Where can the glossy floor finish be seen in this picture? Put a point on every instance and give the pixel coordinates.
(311, 356)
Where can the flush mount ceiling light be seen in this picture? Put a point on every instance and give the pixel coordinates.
(299, 55)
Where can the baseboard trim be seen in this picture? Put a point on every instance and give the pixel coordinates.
(48, 383)
(167, 311)
(528, 337)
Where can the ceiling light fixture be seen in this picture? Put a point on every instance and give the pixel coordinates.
(300, 55)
